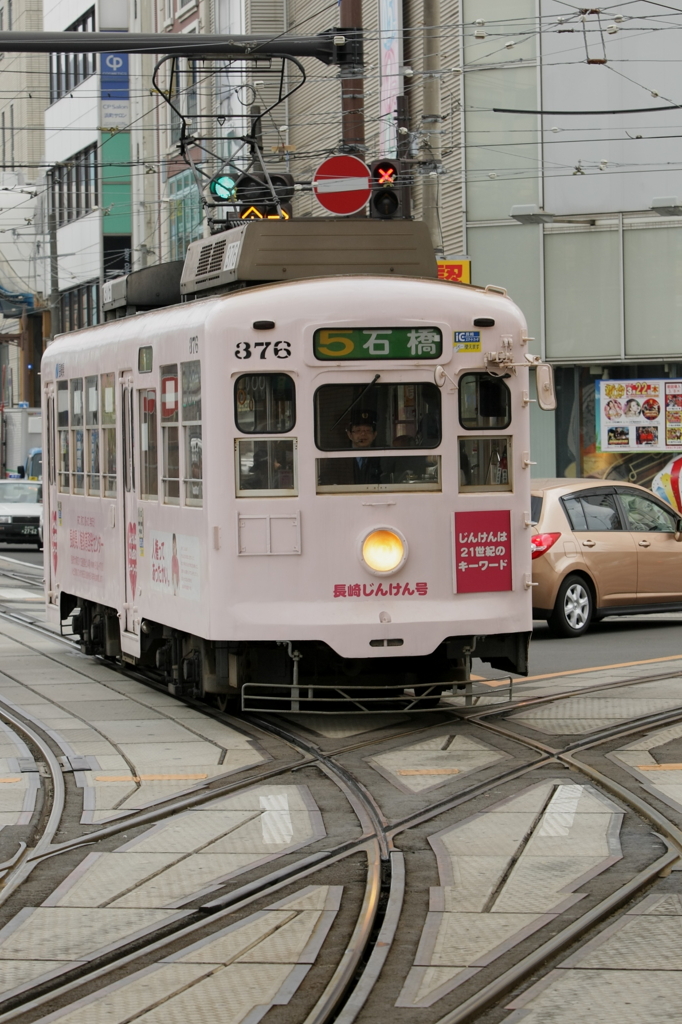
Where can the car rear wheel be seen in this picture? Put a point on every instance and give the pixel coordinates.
(574, 608)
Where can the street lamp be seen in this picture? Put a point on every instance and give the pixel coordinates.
(667, 206)
(530, 214)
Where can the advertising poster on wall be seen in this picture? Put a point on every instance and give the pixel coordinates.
(639, 415)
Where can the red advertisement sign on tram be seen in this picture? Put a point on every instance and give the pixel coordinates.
(483, 551)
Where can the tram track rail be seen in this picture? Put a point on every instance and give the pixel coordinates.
(17, 870)
(360, 965)
(357, 949)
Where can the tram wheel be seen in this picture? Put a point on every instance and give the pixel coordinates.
(574, 608)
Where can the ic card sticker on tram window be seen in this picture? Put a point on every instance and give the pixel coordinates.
(483, 556)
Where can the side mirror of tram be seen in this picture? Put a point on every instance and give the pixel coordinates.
(440, 376)
(678, 531)
(544, 379)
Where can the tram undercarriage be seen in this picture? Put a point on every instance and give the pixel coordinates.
(291, 676)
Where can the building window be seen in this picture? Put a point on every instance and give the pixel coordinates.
(185, 213)
(67, 70)
(73, 186)
(80, 307)
(117, 256)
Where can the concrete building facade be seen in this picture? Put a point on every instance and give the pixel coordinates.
(568, 123)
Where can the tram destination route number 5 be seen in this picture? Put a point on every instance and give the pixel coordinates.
(256, 349)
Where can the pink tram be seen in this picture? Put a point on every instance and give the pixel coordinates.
(323, 482)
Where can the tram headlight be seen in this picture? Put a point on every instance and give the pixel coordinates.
(383, 550)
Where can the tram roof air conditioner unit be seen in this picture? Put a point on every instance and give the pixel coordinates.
(276, 250)
(147, 288)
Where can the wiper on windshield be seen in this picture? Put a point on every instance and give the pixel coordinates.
(354, 403)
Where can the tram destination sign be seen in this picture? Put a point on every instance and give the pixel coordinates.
(377, 343)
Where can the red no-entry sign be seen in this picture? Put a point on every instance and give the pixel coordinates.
(342, 184)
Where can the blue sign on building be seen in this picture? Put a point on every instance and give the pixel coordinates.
(115, 90)
(114, 76)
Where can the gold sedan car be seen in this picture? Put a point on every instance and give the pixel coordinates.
(602, 549)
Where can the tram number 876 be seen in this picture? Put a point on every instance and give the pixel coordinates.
(245, 349)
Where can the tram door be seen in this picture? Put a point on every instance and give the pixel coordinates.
(130, 539)
(50, 534)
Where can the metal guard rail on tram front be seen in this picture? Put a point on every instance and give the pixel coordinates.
(283, 698)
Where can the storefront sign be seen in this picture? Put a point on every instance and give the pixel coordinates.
(115, 90)
(455, 270)
(635, 415)
(482, 551)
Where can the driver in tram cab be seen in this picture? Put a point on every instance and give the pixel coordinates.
(362, 433)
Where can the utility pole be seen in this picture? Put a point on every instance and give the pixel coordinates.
(352, 85)
(431, 119)
(55, 308)
(403, 148)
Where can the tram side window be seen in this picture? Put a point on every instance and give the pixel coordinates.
(145, 359)
(63, 429)
(265, 403)
(149, 462)
(485, 464)
(266, 467)
(169, 434)
(191, 426)
(92, 431)
(484, 402)
(108, 436)
(77, 438)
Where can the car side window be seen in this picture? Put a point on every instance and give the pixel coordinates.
(601, 512)
(646, 516)
(575, 513)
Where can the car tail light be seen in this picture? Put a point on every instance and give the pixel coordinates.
(542, 542)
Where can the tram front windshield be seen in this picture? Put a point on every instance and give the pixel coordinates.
(372, 418)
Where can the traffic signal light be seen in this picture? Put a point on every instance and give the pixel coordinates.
(390, 195)
(252, 193)
(223, 188)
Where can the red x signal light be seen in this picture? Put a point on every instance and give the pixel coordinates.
(386, 175)
(390, 195)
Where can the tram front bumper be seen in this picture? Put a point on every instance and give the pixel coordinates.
(352, 628)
